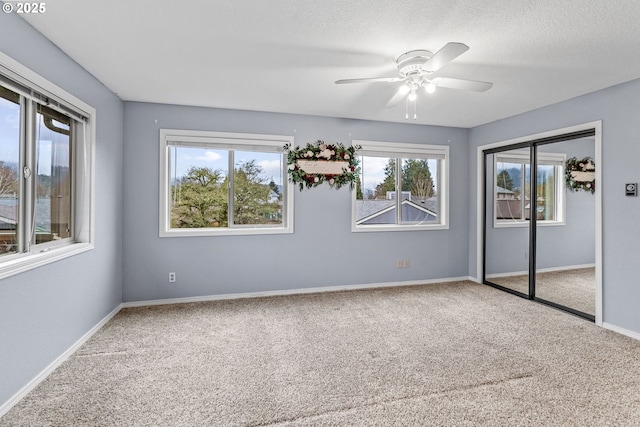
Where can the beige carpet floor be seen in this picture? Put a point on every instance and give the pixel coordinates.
(574, 288)
(455, 354)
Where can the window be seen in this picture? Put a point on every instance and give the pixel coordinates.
(216, 183)
(512, 189)
(401, 187)
(45, 171)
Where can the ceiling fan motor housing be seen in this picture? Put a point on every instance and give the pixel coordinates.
(411, 62)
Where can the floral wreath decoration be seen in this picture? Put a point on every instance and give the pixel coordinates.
(322, 152)
(579, 174)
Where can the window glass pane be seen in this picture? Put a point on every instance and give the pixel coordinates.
(419, 191)
(52, 176)
(257, 188)
(199, 187)
(546, 193)
(376, 191)
(508, 194)
(9, 160)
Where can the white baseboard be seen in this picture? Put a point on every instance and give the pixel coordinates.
(289, 292)
(541, 270)
(6, 406)
(622, 331)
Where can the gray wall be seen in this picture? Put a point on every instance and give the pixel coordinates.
(618, 107)
(567, 245)
(44, 311)
(322, 252)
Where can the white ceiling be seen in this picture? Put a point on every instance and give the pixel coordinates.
(284, 55)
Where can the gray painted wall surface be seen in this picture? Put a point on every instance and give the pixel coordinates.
(618, 107)
(558, 246)
(44, 311)
(322, 252)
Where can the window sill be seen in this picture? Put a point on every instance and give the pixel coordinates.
(26, 262)
(525, 224)
(208, 232)
(390, 227)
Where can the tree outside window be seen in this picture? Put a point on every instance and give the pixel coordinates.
(214, 186)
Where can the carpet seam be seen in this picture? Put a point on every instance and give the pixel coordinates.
(399, 399)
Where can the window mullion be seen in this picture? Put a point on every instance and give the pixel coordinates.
(230, 199)
(27, 173)
(22, 185)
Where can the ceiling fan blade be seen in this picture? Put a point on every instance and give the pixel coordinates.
(448, 53)
(371, 80)
(472, 85)
(397, 97)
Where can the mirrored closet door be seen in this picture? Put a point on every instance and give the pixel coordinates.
(507, 231)
(539, 234)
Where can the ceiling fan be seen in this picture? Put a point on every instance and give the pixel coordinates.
(416, 69)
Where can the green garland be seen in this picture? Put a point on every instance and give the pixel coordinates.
(579, 166)
(322, 151)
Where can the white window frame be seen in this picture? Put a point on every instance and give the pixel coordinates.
(407, 150)
(32, 86)
(226, 141)
(555, 159)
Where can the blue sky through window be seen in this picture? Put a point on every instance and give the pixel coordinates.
(184, 158)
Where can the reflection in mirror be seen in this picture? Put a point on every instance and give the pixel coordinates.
(507, 230)
(565, 255)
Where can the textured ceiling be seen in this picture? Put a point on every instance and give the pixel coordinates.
(284, 55)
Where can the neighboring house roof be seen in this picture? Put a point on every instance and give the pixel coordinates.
(501, 190)
(508, 209)
(9, 214)
(384, 211)
(8, 217)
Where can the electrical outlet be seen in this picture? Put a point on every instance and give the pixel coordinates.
(406, 263)
(172, 277)
(400, 263)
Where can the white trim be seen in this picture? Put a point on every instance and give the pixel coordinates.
(285, 292)
(597, 125)
(393, 148)
(525, 224)
(207, 137)
(623, 331)
(6, 406)
(26, 262)
(228, 140)
(24, 75)
(391, 227)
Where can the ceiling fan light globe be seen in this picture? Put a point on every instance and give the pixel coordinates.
(412, 96)
(404, 89)
(430, 87)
